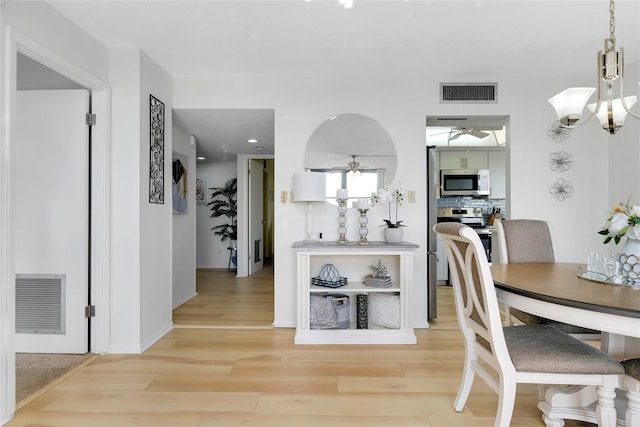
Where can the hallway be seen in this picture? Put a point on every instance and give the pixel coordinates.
(227, 302)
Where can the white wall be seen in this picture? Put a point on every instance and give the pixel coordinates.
(210, 251)
(184, 227)
(301, 105)
(624, 149)
(43, 24)
(141, 295)
(624, 154)
(155, 219)
(573, 222)
(125, 200)
(401, 106)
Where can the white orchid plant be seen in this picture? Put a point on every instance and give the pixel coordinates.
(623, 220)
(393, 194)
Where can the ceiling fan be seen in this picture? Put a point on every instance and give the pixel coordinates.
(353, 167)
(475, 131)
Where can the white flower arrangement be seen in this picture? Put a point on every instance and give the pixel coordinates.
(623, 220)
(391, 194)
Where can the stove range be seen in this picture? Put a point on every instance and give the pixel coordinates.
(471, 217)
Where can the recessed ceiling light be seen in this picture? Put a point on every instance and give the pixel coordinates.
(201, 158)
(252, 141)
(259, 148)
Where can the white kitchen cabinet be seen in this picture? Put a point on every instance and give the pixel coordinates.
(497, 174)
(463, 159)
(442, 264)
(353, 261)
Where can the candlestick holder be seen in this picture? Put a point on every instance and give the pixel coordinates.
(342, 221)
(363, 231)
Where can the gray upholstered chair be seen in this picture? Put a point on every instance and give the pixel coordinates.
(524, 240)
(535, 354)
(631, 384)
(529, 240)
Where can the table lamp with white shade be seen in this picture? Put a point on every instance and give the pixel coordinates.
(309, 187)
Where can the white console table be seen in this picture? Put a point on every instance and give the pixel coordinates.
(353, 261)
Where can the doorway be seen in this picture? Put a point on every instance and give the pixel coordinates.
(225, 300)
(260, 221)
(99, 216)
(245, 240)
(457, 143)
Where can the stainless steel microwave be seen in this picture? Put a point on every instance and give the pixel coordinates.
(464, 182)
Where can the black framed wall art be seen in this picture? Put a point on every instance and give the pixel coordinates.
(156, 151)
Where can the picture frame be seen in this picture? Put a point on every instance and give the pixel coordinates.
(180, 178)
(201, 191)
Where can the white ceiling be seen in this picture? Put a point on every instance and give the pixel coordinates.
(222, 134)
(456, 40)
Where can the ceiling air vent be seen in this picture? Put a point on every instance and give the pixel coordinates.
(468, 93)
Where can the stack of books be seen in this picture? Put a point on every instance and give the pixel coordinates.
(378, 282)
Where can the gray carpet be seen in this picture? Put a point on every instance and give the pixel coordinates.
(36, 370)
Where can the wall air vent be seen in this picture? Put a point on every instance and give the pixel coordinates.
(40, 303)
(468, 93)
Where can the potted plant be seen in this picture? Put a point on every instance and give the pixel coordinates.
(224, 204)
(393, 194)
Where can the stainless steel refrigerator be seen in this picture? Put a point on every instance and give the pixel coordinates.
(432, 241)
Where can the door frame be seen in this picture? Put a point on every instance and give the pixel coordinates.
(243, 210)
(100, 205)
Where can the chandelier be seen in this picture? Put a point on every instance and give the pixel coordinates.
(611, 112)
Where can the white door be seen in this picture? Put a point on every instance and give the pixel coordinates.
(51, 211)
(256, 217)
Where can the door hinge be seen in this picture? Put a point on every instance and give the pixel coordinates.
(90, 311)
(91, 119)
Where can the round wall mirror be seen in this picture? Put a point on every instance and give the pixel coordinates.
(355, 152)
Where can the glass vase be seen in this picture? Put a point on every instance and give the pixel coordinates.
(629, 258)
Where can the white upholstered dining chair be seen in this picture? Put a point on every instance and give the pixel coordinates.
(529, 240)
(535, 354)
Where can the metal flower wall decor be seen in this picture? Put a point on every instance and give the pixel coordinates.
(558, 133)
(560, 161)
(561, 189)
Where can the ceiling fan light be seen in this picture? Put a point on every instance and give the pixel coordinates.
(570, 102)
(619, 113)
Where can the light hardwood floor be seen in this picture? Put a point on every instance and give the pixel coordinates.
(224, 301)
(210, 376)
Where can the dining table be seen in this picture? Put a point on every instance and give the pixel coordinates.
(568, 293)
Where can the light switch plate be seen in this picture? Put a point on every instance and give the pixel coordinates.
(283, 197)
(411, 196)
